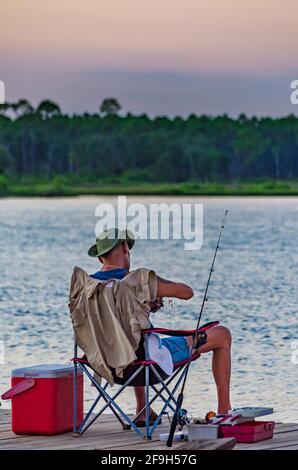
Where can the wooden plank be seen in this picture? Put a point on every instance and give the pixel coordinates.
(95, 430)
(109, 430)
(277, 439)
(106, 442)
(5, 421)
(282, 425)
(107, 434)
(102, 426)
(142, 445)
(209, 444)
(111, 435)
(274, 445)
(290, 447)
(286, 428)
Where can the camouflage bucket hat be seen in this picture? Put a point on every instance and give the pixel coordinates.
(110, 239)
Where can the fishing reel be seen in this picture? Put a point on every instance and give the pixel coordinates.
(183, 419)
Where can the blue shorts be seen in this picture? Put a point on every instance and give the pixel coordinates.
(178, 347)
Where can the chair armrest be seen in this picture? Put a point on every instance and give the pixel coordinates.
(165, 331)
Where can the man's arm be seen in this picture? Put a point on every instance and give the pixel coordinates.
(166, 288)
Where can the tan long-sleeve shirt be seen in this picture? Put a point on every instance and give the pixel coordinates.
(108, 316)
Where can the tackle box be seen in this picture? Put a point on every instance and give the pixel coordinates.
(249, 430)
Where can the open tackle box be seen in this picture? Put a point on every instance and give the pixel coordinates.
(239, 423)
(246, 428)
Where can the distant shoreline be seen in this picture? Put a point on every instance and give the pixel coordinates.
(63, 188)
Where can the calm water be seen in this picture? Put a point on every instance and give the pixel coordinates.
(253, 292)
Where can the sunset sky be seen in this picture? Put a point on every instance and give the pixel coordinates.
(159, 56)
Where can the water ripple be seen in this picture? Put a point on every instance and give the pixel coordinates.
(253, 291)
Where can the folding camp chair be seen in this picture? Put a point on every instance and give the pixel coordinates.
(143, 372)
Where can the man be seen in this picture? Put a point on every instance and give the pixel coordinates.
(112, 249)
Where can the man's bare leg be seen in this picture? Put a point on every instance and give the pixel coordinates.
(141, 401)
(219, 341)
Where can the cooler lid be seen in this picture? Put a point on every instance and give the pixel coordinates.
(253, 411)
(45, 371)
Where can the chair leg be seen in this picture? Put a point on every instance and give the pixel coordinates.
(89, 413)
(158, 393)
(75, 394)
(147, 403)
(152, 400)
(110, 403)
(122, 417)
(164, 385)
(102, 392)
(170, 393)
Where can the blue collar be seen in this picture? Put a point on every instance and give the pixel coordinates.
(117, 273)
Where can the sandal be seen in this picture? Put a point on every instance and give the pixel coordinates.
(141, 423)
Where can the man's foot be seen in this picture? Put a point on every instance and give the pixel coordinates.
(141, 421)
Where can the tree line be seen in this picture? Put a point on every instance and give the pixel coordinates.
(45, 142)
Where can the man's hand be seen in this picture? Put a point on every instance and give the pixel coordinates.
(156, 304)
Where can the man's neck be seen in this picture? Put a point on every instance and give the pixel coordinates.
(109, 267)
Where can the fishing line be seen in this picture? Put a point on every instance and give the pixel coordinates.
(170, 311)
(180, 396)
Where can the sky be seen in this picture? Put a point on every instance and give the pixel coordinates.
(160, 57)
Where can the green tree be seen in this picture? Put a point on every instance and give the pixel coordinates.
(4, 107)
(109, 106)
(46, 143)
(22, 108)
(5, 160)
(48, 109)
(248, 146)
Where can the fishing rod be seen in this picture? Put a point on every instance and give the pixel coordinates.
(181, 394)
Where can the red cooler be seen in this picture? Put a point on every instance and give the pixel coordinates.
(42, 399)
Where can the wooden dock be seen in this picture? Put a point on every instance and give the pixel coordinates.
(107, 434)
